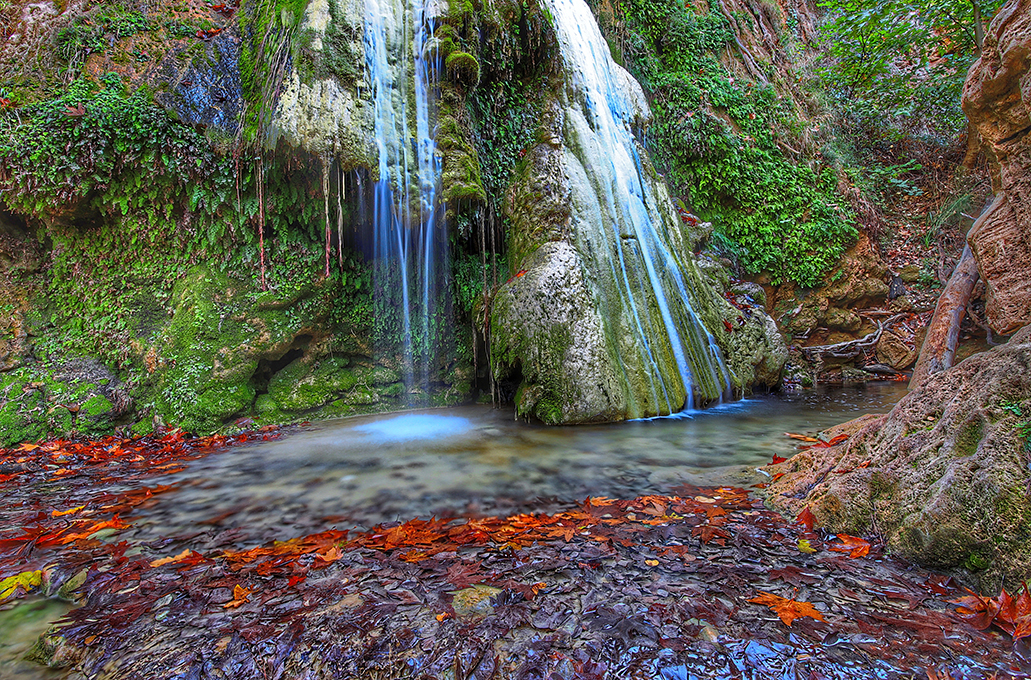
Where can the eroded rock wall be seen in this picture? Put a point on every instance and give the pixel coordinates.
(997, 100)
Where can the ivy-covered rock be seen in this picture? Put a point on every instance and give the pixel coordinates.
(79, 396)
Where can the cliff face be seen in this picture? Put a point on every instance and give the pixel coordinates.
(997, 99)
(186, 197)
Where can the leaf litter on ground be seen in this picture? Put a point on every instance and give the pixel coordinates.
(666, 585)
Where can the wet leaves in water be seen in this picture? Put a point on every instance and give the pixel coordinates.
(787, 610)
(1011, 614)
(855, 547)
(598, 589)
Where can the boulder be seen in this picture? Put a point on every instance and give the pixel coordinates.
(943, 477)
(893, 351)
(997, 99)
(607, 315)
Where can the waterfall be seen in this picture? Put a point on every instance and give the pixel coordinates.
(638, 256)
(409, 248)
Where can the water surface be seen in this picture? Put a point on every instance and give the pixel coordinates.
(476, 460)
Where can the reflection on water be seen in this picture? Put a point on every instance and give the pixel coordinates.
(477, 460)
(411, 426)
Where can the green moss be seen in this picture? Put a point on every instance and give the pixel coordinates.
(463, 69)
(976, 562)
(301, 387)
(97, 405)
(970, 437)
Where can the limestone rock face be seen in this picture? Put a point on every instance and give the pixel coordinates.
(327, 115)
(558, 343)
(607, 315)
(996, 99)
(947, 471)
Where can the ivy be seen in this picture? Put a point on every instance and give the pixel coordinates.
(715, 138)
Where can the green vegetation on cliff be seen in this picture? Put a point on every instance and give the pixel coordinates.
(719, 137)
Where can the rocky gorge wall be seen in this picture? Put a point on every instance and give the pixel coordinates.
(215, 266)
(945, 477)
(997, 100)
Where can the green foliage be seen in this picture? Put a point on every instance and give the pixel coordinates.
(269, 28)
(90, 34)
(890, 180)
(1024, 427)
(714, 136)
(469, 273)
(70, 149)
(904, 59)
(506, 114)
(131, 199)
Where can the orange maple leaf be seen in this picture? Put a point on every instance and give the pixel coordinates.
(855, 547)
(240, 595)
(787, 610)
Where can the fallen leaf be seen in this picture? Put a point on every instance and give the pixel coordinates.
(787, 610)
(62, 513)
(27, 580)
(240, 595)
(801, 437)
(168, 560)
(855, 547)
(806, 519)
(803, 546)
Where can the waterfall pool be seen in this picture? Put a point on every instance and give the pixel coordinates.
(477, 460)
(623, 586)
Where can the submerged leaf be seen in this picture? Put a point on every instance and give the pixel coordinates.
(787, 610)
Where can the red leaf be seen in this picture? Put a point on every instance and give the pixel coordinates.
(807, 519)
(855, 547)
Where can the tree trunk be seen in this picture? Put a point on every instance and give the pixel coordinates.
(978, 27)
(939, 349)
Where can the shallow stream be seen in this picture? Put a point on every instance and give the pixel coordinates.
(477, 460)
(473, 460)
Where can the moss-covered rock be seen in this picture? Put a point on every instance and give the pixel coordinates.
(81, 396)
(301, 387)
(943, 477)
(208, 357)
(463, 69)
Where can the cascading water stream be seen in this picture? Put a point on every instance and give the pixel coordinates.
(406, 214)
(646, 269)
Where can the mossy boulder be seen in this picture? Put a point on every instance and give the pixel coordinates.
(302, 386)
(207, 359)
(463, 69)
(943, 477)
(80, 396)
